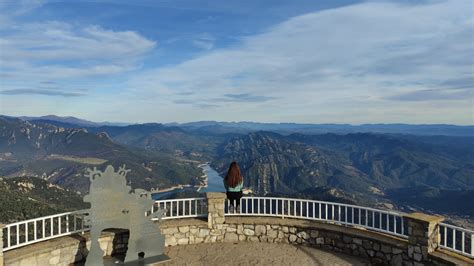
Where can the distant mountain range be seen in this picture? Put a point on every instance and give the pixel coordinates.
(285, 128)
(288, 128)
(70, 120)
(409, 167)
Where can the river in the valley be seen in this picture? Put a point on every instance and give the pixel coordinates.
(214, 184)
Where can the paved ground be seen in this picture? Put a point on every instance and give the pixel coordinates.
(249, 253)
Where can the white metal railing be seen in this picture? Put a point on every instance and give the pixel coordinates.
(44, 228)
(376, 220)
(35, 230)
(457, 239)
(453, 238)
(181, 208)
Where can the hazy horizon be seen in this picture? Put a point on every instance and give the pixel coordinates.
(228, 121)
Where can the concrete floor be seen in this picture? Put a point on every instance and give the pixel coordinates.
(248, 253)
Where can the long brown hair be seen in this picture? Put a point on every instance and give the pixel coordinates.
(233, 177)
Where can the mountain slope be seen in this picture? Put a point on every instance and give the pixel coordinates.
(394, 161)
(358, 168)
(25, 198)
(61, 156)
(271, 164)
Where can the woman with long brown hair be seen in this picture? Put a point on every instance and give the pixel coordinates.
(234, 183)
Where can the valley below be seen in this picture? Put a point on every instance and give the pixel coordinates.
(405, 172)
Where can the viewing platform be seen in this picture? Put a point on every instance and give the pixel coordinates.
(263, 230)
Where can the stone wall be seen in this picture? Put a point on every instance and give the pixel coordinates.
(379, 249)
(66, 250)
(420, 248)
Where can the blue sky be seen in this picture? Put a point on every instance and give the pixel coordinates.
(269, 61)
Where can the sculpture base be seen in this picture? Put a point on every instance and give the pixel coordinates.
(109, 261)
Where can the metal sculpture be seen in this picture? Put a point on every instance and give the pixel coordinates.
(115, 205)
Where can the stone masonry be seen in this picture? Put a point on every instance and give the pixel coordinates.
(423, 235)
(380, 249)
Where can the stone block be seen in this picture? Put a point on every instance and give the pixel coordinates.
(240, 229)
(216, 195)
(231, 229)
(253, 239)
(203, 232)
(397, 251)
(183, 241)
(272, 234)
(249, 232)
(417, 256)
(376, 247)
(260, 230)
(281, 234)
(396, 260)
(183, 229)
(242, 237)
(169, 231)
(367, 244)
(285, 229)
(347, 239)
(231, 237)
(53, 260)
(314, 233)
(292, 238)
(170, 241)
(179, 235)
(303, 235)
(43, 259)
(219, 220)
(386, 249)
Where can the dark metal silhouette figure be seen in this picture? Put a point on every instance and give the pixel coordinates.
(115, 205)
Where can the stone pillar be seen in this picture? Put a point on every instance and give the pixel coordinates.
(423, 235)
(215, 209)
(2, 263)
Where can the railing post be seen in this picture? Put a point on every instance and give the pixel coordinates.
(423, 235)
(215, 209)
(472, 245)
(2, 263)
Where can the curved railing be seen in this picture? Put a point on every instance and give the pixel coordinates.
(181, 208)
(31, 231)
(345, 214)
(457, 239)
(27, 232)
(453, 238)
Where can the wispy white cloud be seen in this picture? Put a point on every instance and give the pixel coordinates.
(368, 52)
(370, 62)
(46, 92)
(204, 41)
(32, 52)
(52, 49)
